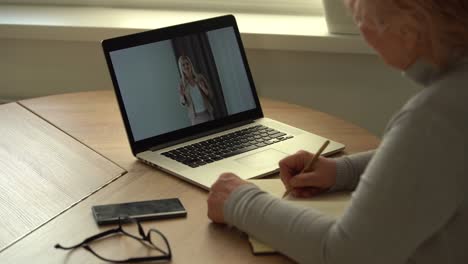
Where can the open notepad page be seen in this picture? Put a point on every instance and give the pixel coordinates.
(332, 204)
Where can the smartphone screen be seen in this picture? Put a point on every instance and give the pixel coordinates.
(144, 210)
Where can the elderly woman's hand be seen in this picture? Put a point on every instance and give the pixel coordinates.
(219, 193)
(307, 184)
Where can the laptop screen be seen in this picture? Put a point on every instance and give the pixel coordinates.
(181, 82)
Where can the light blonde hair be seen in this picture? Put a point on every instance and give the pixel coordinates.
(443, 24)
(196, 76)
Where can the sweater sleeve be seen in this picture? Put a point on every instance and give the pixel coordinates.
(408, 192)
(349, 170)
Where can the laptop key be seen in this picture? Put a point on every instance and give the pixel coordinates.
(227, 155)
(279, 134)
(284, 138)
(239, 151)
(271, 141)
(216, 158)
(190, 160)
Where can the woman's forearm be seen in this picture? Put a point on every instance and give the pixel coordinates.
(350, 168)
(204, 87)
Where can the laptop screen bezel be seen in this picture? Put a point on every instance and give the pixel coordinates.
(167, 33)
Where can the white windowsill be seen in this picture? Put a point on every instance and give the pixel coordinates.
(259, 31)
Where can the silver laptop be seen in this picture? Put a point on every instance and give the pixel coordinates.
(190, 107)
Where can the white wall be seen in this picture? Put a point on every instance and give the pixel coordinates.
(357, 88)
(32, 68)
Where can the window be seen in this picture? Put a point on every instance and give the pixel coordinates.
(303, 7)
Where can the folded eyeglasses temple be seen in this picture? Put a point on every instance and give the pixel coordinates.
(89, 239)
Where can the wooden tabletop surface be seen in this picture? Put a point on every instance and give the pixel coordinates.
(42, 172)
(93, 119)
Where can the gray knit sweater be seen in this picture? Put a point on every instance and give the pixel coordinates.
(410, 199)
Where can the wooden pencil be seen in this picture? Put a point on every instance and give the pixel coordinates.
(311, 164)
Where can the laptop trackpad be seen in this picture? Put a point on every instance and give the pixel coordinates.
(268, 158)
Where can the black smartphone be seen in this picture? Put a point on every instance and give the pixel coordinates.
(144, 210)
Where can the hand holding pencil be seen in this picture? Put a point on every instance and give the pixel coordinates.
(305, 174)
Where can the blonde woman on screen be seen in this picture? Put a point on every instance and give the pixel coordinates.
(410, 200)
(194, 92)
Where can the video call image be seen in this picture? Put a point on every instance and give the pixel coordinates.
(177, 83)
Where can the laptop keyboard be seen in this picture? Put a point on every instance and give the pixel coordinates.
(226, 146)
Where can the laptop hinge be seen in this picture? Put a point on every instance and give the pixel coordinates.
(199, 135)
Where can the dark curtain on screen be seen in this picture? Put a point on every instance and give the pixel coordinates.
(197, 48)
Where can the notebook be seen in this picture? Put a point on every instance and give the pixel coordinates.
(332, 204)
(190, 107)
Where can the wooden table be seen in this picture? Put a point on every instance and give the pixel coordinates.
(93, 119)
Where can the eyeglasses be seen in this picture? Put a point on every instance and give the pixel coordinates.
(148, 240)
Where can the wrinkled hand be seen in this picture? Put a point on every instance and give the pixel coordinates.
(307, 184)
(219, 193)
